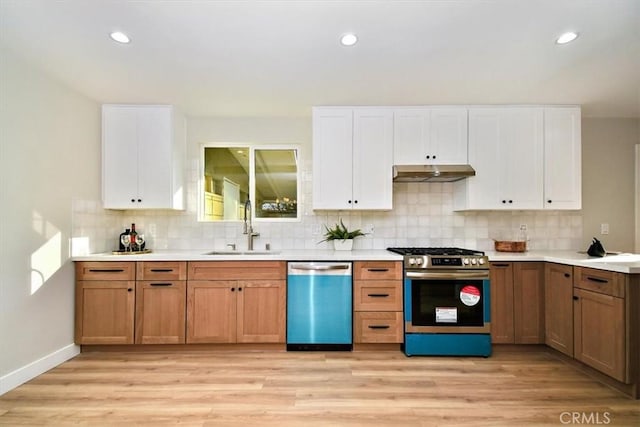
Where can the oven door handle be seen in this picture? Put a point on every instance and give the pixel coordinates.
(434, 275)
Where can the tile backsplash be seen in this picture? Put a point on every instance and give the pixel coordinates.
(422, 216)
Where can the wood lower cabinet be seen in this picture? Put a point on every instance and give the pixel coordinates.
(105, 302)
(558, 307)
(377, 302)
(242, 310)
(517, 302)
(600, 335)
(160, 312)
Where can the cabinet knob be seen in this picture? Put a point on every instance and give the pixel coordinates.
(349, 201)
(549, 201)
(575, 298)
(129, 289)
(133, 200)
(355, 201)
(567, 275)
(510, 201)
(233, 289)
(504, 201)
(434, 156)
(428, 156)
(239, 289)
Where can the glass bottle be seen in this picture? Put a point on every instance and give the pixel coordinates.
(133, 234)
(121, 247)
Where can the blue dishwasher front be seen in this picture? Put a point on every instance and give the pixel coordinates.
(319, 306)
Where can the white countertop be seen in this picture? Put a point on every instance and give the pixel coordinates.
(622, 263)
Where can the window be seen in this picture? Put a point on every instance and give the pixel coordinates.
(233, 174)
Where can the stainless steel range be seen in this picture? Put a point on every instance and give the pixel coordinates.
(446, 302)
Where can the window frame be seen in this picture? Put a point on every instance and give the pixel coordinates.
(252, 147)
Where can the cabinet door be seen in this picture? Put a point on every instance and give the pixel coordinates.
(211, 311)
(502, 322)
(520, 158)
(160, 312)
(558, 296)
(154, 162)
(448, 136)
(528, 302)
(411, 136)
(261, 311)
(104, 312)
(599, 332)
(332, 158)
(372, 159)
(119, 156)
(562, 158)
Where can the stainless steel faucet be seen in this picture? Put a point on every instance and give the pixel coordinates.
(248, 226)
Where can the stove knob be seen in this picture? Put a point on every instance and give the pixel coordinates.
(481, 261)
(412, 261)
(473, 261)
(465, 261)
(419, 261)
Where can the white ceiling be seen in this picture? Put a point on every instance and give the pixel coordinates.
(279, 58)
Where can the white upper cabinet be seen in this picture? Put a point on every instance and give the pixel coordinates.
(143, 150)
(506, 150)
(524, 157)
(352, 158)
(430, 135)
(562, 158)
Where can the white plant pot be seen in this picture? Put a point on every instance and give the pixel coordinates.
(343, 245)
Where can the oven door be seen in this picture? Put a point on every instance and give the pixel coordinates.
(447, 302)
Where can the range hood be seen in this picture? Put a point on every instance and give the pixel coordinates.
(431, 173)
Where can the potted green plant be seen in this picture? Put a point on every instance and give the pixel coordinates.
(341, 237)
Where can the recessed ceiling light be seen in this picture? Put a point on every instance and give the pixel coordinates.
(567, 37)
(120, 37)
(348, 39)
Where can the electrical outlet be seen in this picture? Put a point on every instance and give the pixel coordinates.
(604, 228)
(368, 228)
(523, 227)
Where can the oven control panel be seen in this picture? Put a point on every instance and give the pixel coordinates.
(445, 262)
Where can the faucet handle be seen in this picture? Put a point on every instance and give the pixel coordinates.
(231, 246)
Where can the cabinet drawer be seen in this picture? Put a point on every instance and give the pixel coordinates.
(378, 270)
(98, 270)
(600, 281)
(378, 327)
(161, 270)
(236, 270)
(377, 295)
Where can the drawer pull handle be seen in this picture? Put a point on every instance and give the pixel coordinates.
(500, 265)
(161, 270)
(378, 295)
(379, 326)
(597, 280)
(106, 270)
(161, 284)
(377, 270)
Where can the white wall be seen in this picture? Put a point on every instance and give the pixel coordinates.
(50, 155)
(608, 180)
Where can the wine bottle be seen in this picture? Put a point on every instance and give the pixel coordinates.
(133, 234)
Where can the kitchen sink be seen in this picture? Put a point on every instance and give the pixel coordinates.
(258, 252)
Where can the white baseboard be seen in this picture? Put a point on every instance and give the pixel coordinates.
(35, 368)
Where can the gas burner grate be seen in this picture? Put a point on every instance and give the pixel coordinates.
(436, 251)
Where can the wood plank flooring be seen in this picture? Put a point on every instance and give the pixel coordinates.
(253, 388)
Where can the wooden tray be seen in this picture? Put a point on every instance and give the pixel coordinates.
(144, 251)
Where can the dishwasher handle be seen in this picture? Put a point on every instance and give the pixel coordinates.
(320, 267)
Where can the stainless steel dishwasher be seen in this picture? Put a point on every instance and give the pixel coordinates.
(319, 306)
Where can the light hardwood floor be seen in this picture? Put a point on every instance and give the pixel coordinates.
(511, 388)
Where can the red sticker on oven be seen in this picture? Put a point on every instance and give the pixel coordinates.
(470, 295)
